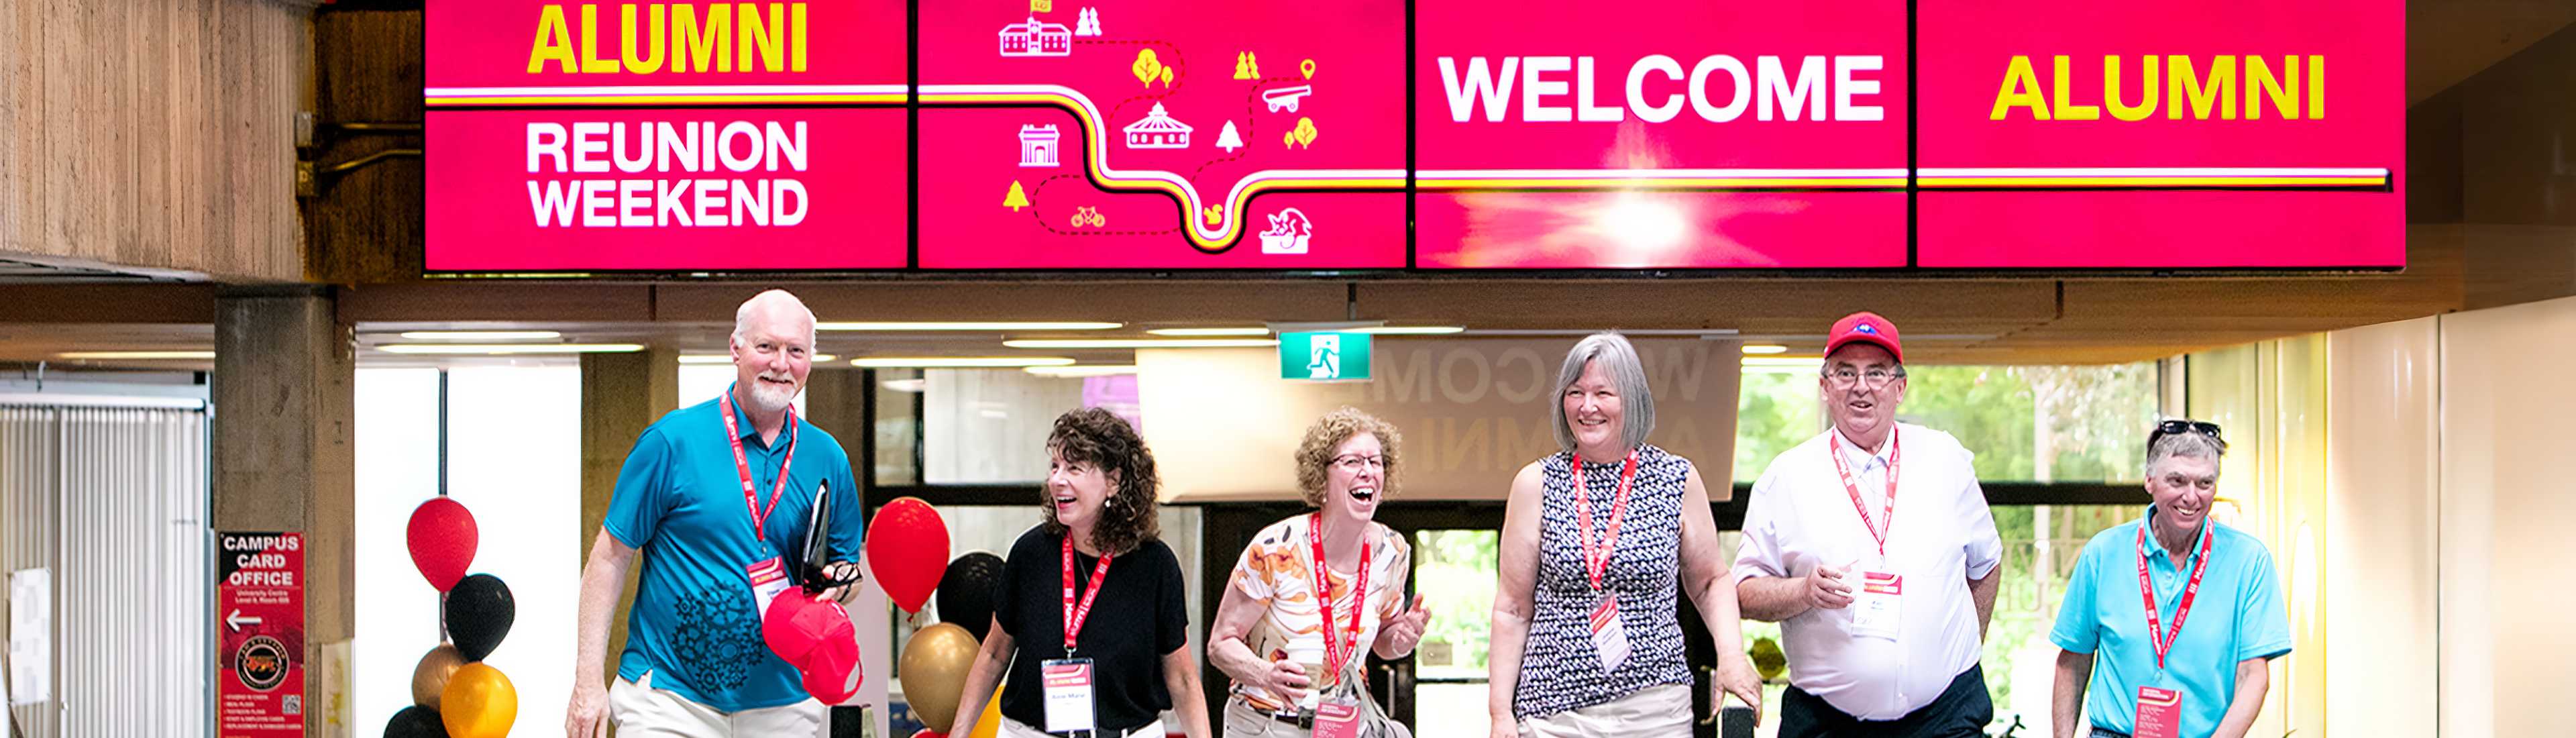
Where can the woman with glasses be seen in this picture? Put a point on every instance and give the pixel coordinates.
(1598, 542)
(1314, 589)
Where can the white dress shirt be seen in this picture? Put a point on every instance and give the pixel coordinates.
(1801, 517)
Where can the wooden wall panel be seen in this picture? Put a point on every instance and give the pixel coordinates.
(368, 226)
(156, 135)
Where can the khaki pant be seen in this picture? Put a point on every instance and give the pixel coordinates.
(644, 712)
(1661, 711)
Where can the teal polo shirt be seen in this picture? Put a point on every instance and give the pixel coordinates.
(694, 626)
(2238, 615)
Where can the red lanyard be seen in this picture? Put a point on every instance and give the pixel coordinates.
(1074, 616)
(2164, 640)
(1337, 653)
(1597, 561)
(1887, 516)
(742, 467)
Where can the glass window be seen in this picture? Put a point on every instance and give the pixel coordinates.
(1454, 571)
(987, 426)
(2025, 423)
(514, 460)
(981, 426)
(2041, 543)
(898, 426)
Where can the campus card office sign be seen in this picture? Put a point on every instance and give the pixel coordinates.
(976, 136)
(259, 626)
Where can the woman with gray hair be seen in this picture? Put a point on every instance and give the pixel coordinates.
(1597, 542)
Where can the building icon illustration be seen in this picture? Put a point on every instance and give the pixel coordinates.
(1034, 38)
(1158, 131)
(1039, 145)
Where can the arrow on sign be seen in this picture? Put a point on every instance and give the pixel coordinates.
(237, 621)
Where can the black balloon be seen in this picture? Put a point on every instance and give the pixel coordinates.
(479, 612)
(416, 722)
(966, 592)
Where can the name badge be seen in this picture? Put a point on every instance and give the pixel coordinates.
(768, 578)
(1068, 696)
(2159, 713)
(1609, 637)
(1338, 717)
(1877, 605)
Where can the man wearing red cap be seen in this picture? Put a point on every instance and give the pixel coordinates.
(1872, 546)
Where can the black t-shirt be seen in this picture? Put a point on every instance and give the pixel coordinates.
(1141, 617)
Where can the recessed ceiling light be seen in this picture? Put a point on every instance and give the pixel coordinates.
(1804, 362)
(728, 358)
(1136, 343)
(914, 385)
(1411, 330)
(984, 326)
(1208, 332)
(1084, 370)
(1765, 348)
(135, 355)
(957, 362)
(481, 335)
(496, 349)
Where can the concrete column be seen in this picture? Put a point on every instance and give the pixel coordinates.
(836, 401)
(621, 394)
(284, 458)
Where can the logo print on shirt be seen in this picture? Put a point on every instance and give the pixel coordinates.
(718, 640)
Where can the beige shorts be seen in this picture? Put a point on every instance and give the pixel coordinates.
(1660, 711)
(644, 712)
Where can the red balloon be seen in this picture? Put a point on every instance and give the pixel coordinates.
(908, 550)
(442, 538)
(928, 733)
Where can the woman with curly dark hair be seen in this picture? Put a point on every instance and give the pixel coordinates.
(1091, 616)
(1314, 589)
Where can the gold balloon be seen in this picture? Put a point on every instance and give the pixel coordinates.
(934, 672)
(990, 725)
(430, 677)
(479, 703)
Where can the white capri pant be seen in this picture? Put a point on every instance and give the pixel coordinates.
(644, 712)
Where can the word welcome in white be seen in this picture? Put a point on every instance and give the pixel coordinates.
(1770, 88)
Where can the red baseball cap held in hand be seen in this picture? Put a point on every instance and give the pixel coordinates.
(817, 639)
(1865, 327)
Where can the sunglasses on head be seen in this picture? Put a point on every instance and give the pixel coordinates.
(2171, 427)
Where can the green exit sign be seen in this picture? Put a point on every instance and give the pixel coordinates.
(1324, 356)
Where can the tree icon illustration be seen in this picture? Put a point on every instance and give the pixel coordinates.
(1017, 199)
(1228, 139)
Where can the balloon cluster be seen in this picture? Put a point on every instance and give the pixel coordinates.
(454, 694)
(908, 551)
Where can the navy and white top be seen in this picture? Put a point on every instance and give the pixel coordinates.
(1560, 670)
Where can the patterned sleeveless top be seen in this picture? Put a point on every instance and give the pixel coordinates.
(1559, 669)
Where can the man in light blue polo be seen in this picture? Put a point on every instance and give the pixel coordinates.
(2197, 662)
(717, 497)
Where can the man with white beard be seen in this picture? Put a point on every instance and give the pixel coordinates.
(718, 496)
